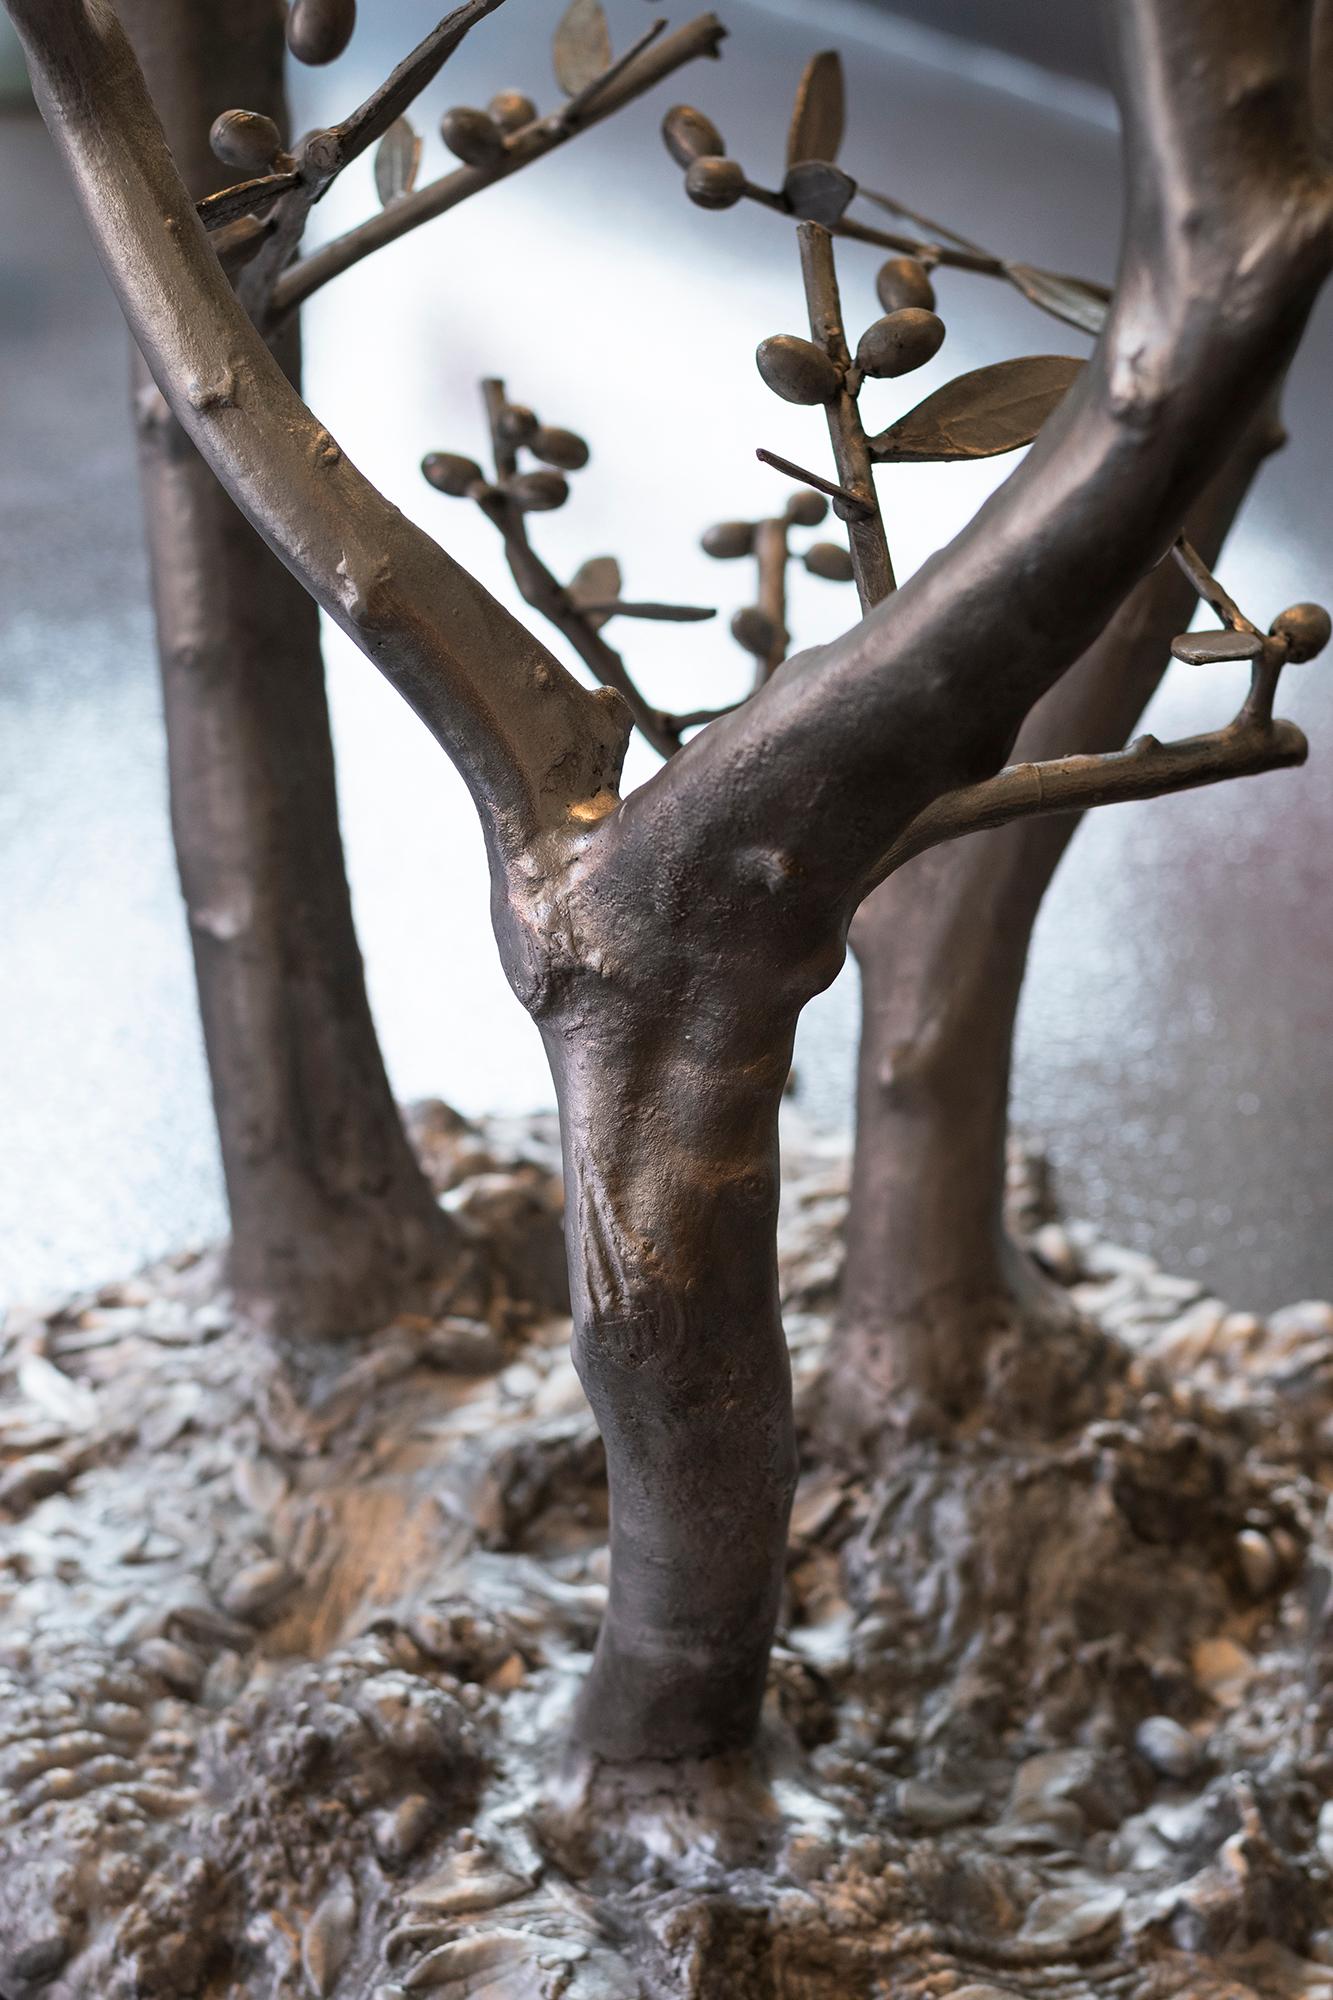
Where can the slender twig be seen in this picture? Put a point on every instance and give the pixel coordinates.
(700, 38)
(1209, 589)
(662, 614)
(1146, 770)
(544, 592)
(851, 447)
(852, 502)
(696, 718)
(346, 142)
(773, 550)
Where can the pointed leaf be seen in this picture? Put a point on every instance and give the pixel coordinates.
(397, 160)
(1208, 649)
(821, 111)
(582, 46)
(1072, 300)
(595, 586)
(817, 192)
(598, 582)
(989, 411)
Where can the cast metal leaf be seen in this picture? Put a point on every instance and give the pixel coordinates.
(1207, 649)
(582, 46)
(1072, 300)
(597, 583)
(818, 192)
(397, 160)
(989, 411)
(821, 111)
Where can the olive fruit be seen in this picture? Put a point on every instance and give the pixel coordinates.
(563, 448)
(690, 136)
(715, 183)
(905, 281)
(539, 492)
(472, 136)
(511, 110)
(449, 472)
(245, 140)
(1307, 629)
(831, 561)
(807, 510)
(516, 424)
(729, 541)
(755, 630)
(900, 342)
(319, 30)
(797, 370)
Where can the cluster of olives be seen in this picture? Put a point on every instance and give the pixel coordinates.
(730, 541)
(909, 335)
(541, 492)
(694, 142)
(479, 138)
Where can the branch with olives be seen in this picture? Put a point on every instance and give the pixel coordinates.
(258, 224)
(761, 628)
(594, 595)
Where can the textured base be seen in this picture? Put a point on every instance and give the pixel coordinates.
(285, 1652)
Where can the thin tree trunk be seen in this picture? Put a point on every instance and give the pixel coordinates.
(933, 1279)
(334, 1227)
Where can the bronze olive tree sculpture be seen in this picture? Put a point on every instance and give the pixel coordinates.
(333, 1225)
(666, 942)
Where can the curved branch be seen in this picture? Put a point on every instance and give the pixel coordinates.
(700, 38)
(526, 738)
(1147, 769)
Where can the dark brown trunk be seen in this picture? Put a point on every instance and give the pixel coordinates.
(334, 1227)
(671, 1168)
(932, 1278)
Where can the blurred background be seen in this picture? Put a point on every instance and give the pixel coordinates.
(1175, 1028)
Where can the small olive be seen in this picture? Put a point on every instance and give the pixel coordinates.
(449, 472)
(511, 110)
(715, 183)
(319, 30)
(807, 510)
(1307, 629)
(472, 136)
(900, 342)
(729, 541)
(563, 448)
(539, 492)
(905, 281)
(245, 140)
(516, 424)
(831, 561)
(690, 136)
(797, 370)
(755, 630)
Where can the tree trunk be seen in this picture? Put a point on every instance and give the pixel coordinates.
(934, 1286)
(670, 1127)
(334, 1227)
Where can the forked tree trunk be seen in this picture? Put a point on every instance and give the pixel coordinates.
(933, 1279)
(334, 1227)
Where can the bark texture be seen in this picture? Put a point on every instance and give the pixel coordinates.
(933, 1284)
(334, 1228)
